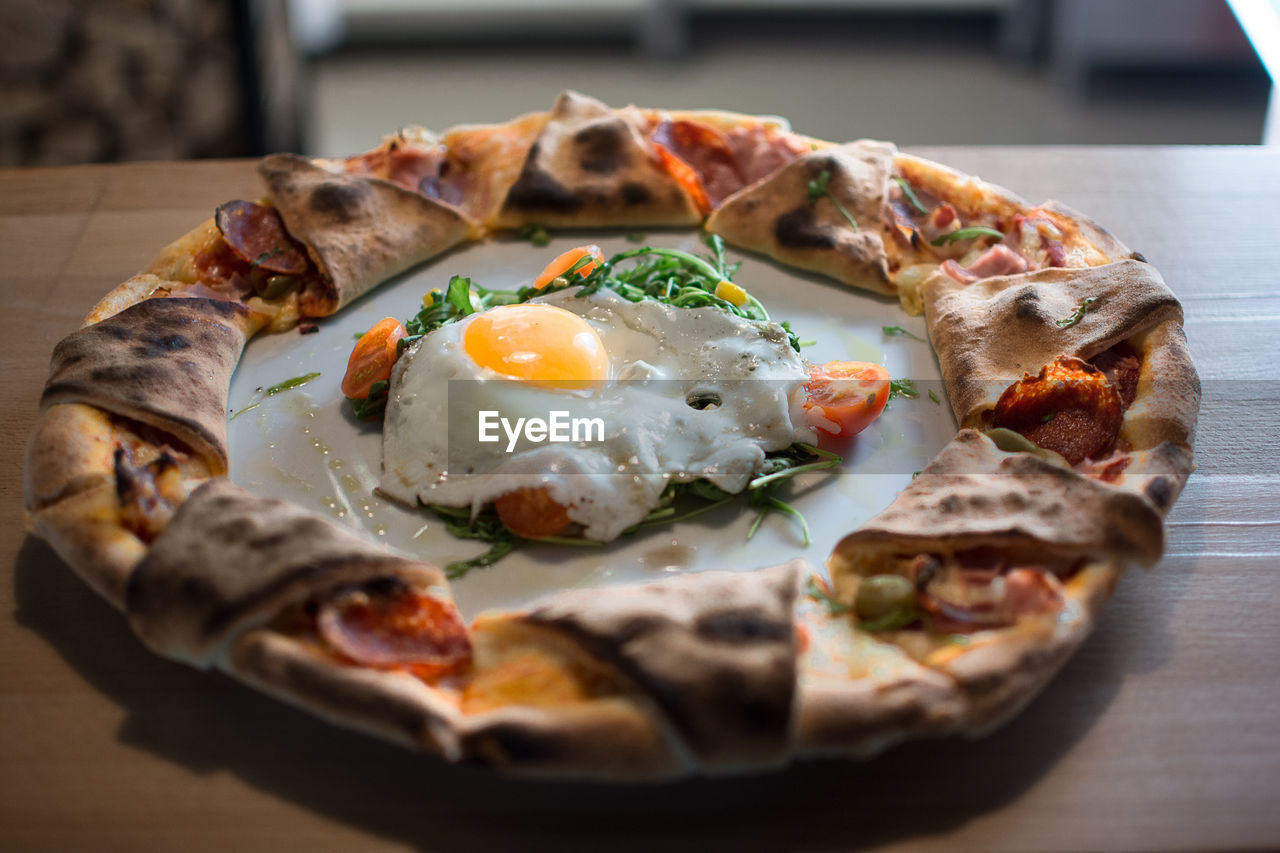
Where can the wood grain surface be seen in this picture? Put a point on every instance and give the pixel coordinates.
(1162, 733)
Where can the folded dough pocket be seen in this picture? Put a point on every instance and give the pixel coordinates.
(166, 363)
(229, 562)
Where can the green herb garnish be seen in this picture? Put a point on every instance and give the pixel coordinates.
(671, 276)
(287, 385)
(459, 295)
(636, 237)
(1076, 316)
(910, 194)
(898, 331)
(375, 404)
(817, 589)
(678, 502)
(819, 186)
(534, 233)
(933, 396)
(266, 256)
(290, 384)
(902, 388)
(1045, 419)
(970, 233)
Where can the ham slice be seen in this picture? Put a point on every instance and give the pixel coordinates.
(762, 150)
(998, 260)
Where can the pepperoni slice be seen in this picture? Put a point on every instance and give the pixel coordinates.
(256, 233)
(1069, 408)
(1123, 368)
(707, 151)
(389, 625)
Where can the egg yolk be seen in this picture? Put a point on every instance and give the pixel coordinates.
(541, 344)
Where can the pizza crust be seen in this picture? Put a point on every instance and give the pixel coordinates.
(164, 362)
(710, 673)
(975, 495)
(989, 333)
(85, 530)
(230, 561)
(777, 217)
(590, 167)
(359, 230)
(715, 652)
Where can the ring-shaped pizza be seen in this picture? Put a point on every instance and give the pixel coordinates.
(1061, 350)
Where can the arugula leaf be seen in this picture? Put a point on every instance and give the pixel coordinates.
(910, 194)
(534, 233)
(970, 233)
(759, 494)
(818, 187)
(772, 504)
(496, 552)
(902, 388)
(1076, 316)
(793, 461)
(898, 331)
(459, 295)
(716, 243)
(375, 404)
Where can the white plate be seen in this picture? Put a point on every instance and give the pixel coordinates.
(304, 445)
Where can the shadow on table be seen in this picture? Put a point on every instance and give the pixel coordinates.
(209, 723)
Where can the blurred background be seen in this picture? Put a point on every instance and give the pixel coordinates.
(104, 80)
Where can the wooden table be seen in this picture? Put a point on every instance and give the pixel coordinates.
(1163, 732)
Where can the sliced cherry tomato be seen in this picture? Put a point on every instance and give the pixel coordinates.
(685, 175)
(565, 262)
(532, 513)
(842, 398)
(372, 359)
(707, 151)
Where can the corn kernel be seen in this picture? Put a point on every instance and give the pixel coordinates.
(731, 293)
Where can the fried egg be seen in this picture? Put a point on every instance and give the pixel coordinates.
(683, 394)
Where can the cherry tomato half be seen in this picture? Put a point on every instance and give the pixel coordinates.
(372, 359)
(565, 262)
(842, 398)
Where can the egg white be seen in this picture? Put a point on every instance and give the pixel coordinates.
(661, 357)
